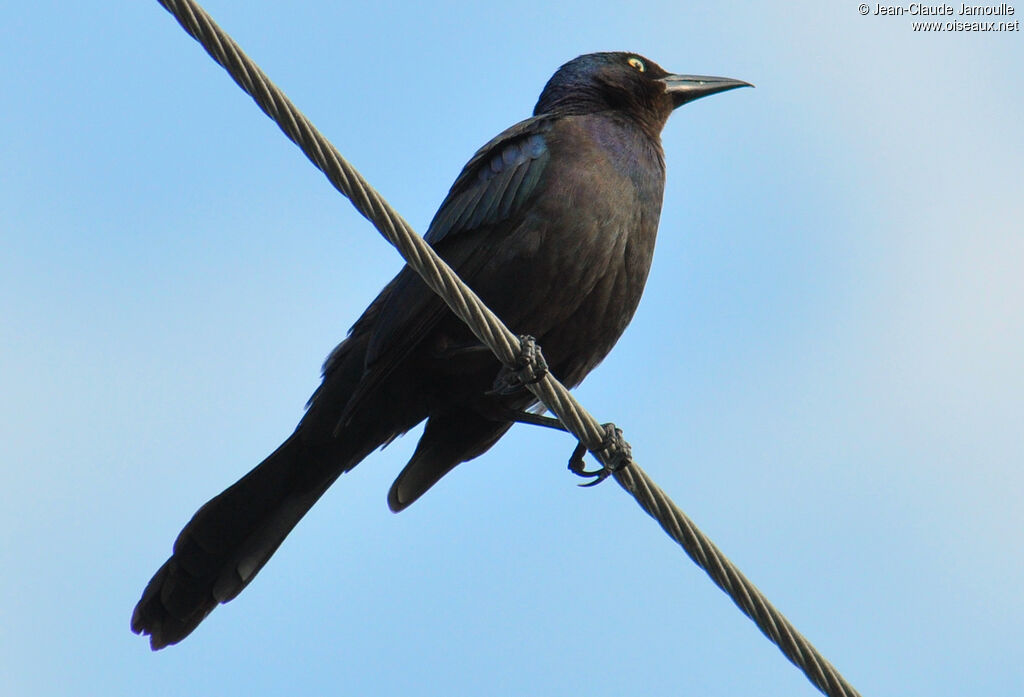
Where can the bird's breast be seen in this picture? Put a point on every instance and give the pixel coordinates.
(582, 252)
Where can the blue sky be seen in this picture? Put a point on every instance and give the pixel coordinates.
(825, 371)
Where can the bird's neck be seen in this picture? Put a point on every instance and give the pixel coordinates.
(575, 100)
(630, 146)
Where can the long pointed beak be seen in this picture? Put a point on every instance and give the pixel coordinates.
(686, 88)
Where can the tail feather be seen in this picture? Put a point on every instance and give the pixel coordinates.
(229, 540)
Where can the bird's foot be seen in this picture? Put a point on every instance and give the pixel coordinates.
(615, 454)
(529, 368)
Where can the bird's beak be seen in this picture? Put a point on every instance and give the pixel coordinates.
(686, 88)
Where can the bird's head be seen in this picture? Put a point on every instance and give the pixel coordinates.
(625, 82)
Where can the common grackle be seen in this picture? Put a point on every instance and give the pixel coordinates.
(553, 224)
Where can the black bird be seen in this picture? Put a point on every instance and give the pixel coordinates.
(553, 224)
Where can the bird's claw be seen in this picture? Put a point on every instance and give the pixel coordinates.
(615, 452)
(578, 467)
(529, 368)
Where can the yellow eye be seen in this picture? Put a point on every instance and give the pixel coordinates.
(636, 63)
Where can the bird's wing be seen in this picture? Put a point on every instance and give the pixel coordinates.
(491, 190)
(497, 180)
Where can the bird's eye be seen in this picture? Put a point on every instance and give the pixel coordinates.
(637, 64)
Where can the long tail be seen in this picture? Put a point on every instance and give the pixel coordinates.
(229, 540)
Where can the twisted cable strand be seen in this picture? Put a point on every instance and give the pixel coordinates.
(503, 343)
(747, 597)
